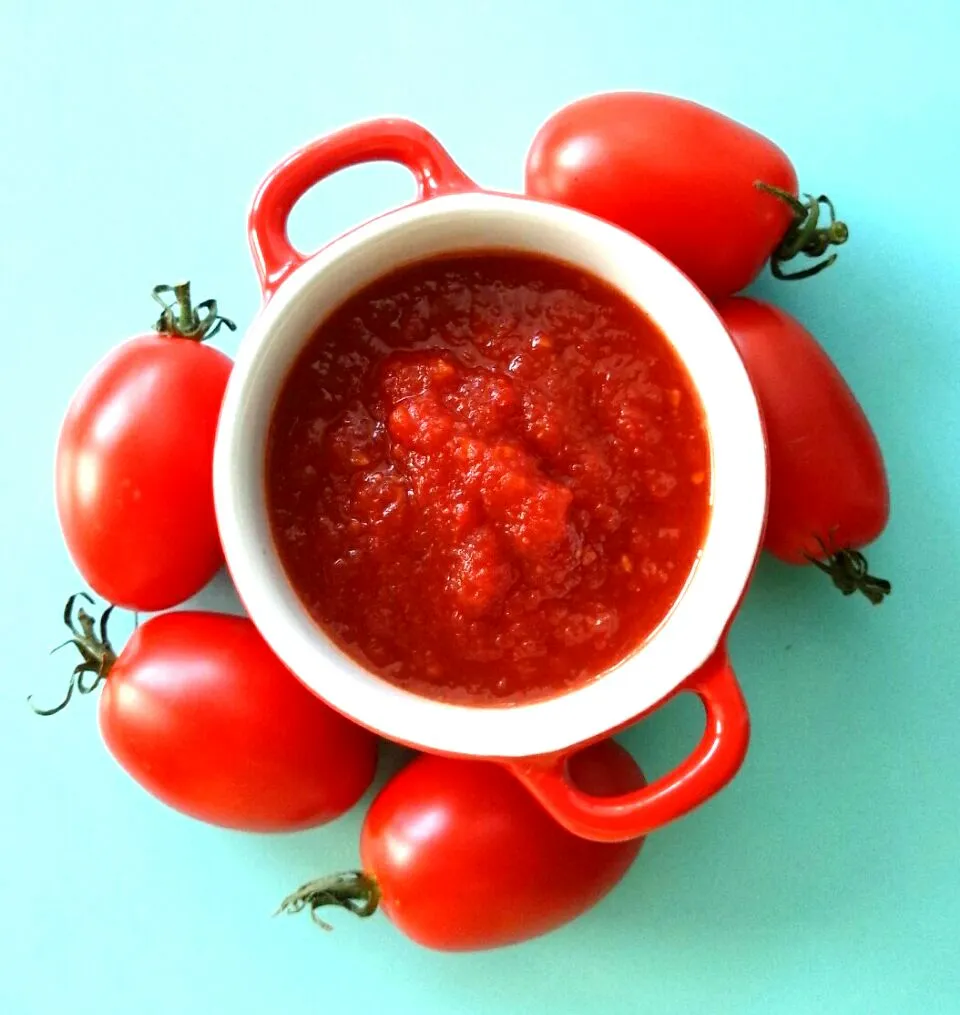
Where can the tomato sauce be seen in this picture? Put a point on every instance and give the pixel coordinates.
(488, 477)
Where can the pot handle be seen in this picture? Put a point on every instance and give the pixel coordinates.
(385, 140)
(707, 770)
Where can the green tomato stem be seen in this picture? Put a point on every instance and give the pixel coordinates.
(94, 647)
(182, 320)
(847, 569)
(355, 891)
(806, 234)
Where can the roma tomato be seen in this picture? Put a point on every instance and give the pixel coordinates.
(717, 198)
(134, 463)
(828, 485)
(203, 715)
(461, 857)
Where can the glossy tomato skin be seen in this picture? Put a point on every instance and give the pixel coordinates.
(828, 481)
(675, 173)
(134, 471)
(201, 713)
(466, 859)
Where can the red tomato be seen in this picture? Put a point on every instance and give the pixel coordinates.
(461, 857)
(134, 465)
(687, 180)
(203, 715)
(828, 485)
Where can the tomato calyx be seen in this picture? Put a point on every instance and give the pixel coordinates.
(183, 320)
(848, 572)
(806, 235)
(351, 890)
(95, 648)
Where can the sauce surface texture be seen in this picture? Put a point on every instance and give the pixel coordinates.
(488, 477)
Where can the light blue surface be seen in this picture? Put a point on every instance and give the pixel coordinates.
(825, 879)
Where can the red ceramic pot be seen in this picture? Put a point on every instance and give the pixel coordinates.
(687, 653)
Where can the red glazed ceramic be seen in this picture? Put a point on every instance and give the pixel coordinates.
(687, 653)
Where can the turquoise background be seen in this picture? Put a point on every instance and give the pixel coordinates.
(825, 879)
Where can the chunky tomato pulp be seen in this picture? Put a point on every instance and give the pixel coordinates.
(488, 477)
